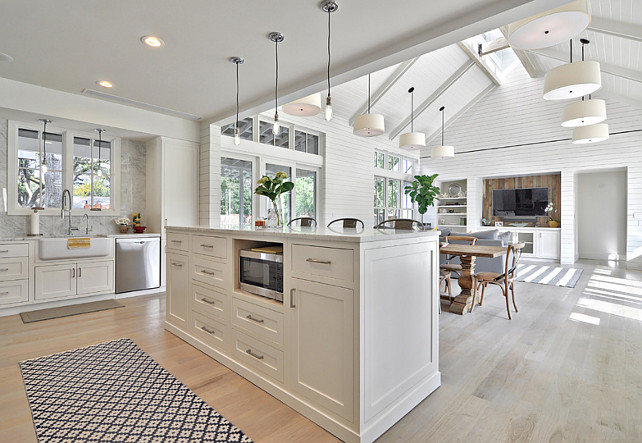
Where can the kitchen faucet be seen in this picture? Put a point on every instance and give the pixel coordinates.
(87, 226)
(66, 194)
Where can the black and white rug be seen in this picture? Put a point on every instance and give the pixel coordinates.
(549, 275)
(115, 392)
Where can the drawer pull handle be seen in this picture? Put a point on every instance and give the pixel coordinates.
(316, 260)
(79, 272)
(3, 251)
(4, 269)
(207, 272)
(257, 320)
(208, 301)
(177, 241)
(209, 331)
(73, 272)
(257, 356)
(4, 292)
(178, 265)
(207, 246)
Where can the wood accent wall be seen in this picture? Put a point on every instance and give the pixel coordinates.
(552, 182)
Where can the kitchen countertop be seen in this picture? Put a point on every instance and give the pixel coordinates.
(318, 233)
(37, 237)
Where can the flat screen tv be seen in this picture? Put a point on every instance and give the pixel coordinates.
(527, 202)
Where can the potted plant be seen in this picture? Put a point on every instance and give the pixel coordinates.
(123, 224)
(551, 210)
(272, 188)
(423, 192)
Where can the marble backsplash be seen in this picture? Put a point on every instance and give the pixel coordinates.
(132, 195)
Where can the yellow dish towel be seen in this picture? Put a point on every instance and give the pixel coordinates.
(78, 243)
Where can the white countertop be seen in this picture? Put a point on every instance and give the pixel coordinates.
(516, 228)
(37, 237)
(318, 233)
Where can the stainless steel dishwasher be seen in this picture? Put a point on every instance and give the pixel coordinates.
(137, 263)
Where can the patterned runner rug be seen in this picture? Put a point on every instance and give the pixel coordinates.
(116, 392)
(549, 275)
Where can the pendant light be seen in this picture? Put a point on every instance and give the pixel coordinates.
(572, 80)
(550, 27)
(369, 125)
(277, 38)
(304, 107)
(590, 134)
(237, 136)
(329, 7)
(412, 139)
(99, 173)
(584, 112)
(43, 163)
(442, 151)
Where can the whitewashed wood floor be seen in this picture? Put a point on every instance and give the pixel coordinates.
(568, 367)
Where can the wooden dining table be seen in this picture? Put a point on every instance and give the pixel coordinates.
(464, 301)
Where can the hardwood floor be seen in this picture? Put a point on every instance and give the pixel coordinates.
(566, 368)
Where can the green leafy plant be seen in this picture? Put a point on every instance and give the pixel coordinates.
(422, 191)
(272, 188)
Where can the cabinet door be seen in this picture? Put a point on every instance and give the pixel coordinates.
(95, 277)
(548, 244)
(55, 281)
(177, 306)
(322, 367)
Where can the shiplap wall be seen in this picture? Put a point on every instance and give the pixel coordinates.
(346, 185)
(514, 114)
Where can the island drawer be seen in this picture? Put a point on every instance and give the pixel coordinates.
(177, 242)
(264, 358)
(209, 272)
(14, 268)
(209, 301)
(14, 292)
(207, 245)
(8, 250)
(209, 331)
(257, 320)
(325, 262)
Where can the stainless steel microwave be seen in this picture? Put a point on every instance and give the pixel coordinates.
(261, 273)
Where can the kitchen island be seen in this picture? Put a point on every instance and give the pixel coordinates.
(353, 346)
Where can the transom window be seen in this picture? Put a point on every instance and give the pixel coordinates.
(246, 126)
(282, 140)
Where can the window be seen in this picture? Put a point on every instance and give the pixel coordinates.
(40, 172)
(393, 173)
(379, 159)
(393, 163)
(236, 192)
(246, 126)
(305, 142)
(407, 206)
(408, 166)
(305, 188)
(267, 137)
(379, 200)
(91, 174)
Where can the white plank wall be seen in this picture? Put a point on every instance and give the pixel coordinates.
(210, 175)
(515, 113)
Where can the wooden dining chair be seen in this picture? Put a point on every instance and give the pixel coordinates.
(347, 223)
(460, 239)
(304, 222)
(401, 224)
(506, 280)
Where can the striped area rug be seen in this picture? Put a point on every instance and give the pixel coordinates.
(549, 275)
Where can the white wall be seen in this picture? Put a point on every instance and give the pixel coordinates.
(516, 114)
(601, 215)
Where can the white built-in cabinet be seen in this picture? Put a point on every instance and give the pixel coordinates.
(547, 244)
(177, 289)
(73, 279)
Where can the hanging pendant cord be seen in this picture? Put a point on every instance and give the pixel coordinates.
(570, 45)
(44, 142)
(237, 95)
(442, 126)
(276, 85)
(100, 143)
(329, 30)
(368, 93)
(412, 111)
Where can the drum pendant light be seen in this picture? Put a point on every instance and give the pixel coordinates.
(99, 172)
(412, 139)
(43, 163)
(585, 112)
(237, 135)
(277, 38)
(590, 134)
(572, 80)
(550, 27)
(442, 151)
(304, 107)
(369, 125)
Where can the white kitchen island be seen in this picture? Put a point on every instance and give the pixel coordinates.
(353, 346)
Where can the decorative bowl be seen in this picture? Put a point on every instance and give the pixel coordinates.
(139, 229)
(519, 225)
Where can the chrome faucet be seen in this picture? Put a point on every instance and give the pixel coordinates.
(66, 194)
(87, 225)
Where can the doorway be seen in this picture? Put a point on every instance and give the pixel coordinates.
(601, 215)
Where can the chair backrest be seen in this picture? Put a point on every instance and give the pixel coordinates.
(402, 224)
(513, 254)
(304, 222)
(348, 222)
(461, 239)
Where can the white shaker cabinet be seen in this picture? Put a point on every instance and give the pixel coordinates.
(547, 244)
(73, 279)
(177, 305)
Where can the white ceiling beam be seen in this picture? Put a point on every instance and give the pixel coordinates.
(625, 30)
(617, 71)
(434, 96)
(499, 44)
(385, 87)
(473, 54)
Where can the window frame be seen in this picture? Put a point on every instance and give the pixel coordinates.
(401, 176)
(67, 168)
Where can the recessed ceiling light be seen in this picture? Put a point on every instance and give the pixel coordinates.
(152, 41)
(104, 83)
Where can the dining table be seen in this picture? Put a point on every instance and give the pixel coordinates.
(463, 302)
